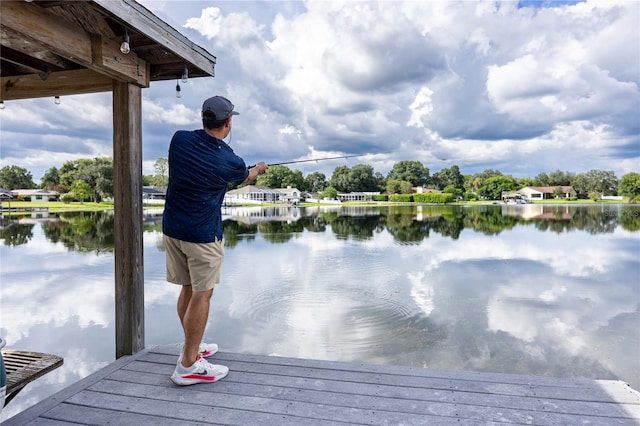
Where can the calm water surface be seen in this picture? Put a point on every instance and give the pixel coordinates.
(543, 290)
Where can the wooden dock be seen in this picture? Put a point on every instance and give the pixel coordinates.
(268, 390)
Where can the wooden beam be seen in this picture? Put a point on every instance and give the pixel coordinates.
(108, 59)
(127, 184)
(59, 83)
(136, 16)
(32, 23)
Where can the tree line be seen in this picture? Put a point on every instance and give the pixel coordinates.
(92, 179)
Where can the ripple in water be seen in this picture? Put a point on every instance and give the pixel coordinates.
(343, 321)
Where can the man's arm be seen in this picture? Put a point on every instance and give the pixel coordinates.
(255, 171)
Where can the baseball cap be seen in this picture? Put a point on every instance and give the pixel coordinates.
(221, 107)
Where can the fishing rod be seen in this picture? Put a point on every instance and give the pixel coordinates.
(312, 159)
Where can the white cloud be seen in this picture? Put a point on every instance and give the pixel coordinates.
(484, 84)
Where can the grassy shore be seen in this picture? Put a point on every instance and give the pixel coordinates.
(60, 207)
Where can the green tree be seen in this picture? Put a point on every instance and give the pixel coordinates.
(294, 180)
(472, 183)
(542, 179)
(560, 178)
(329, 192)
(50, 180)
(161, 167)
(97, 173)
(488, 173)
(457, 192)
(448, 177)
(604, 182)
(380, 179)
(68, 174)
(629, 186)
(410, 171)
(281, 177)
(522, 182)
(358, 178)
(340, 179)
(16, 177)
(362, 179)
(395, 186)
(478, 180)
(558, 192)
(580, 184)
(493, 187)
(81, 191)
(315, 182)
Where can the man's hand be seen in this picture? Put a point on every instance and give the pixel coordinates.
(259, 169)
(262, 167)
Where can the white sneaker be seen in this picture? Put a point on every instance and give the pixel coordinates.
(200, 372)
(207, 349)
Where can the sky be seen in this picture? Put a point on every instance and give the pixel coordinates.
(521, 87)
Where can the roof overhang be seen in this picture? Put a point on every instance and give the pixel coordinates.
(55, 48)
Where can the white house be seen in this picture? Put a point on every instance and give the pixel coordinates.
(152, 195)
(546, 192)
(252, 194)
(36, 194)
(289, 195)
(356, 196)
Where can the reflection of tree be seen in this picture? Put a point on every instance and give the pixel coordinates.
(489, 221)
(315, 224)
(16, 234)
(280, 232)
(592, 219)
(412, 224)
(630, 219)
(404, 228)
(84, 232)
(360, 227)
(407, 224)
(234, 231)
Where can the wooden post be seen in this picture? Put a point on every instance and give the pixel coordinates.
(127, 189)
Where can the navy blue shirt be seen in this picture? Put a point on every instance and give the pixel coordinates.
(200, 167)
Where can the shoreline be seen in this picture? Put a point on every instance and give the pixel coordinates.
(21, 207)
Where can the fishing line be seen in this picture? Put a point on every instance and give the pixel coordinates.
(313, 159)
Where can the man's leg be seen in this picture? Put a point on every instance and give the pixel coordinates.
(183, 302)
(194, 320)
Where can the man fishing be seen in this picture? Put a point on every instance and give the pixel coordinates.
(201, 165)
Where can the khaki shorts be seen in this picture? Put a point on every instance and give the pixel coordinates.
(194, 264)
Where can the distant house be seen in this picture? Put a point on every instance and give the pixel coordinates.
(423, 190)
(5, 194)
(152, 193)
(546, 192)
(36, 194)
(356, 196)
(289, 195)
(252, 194)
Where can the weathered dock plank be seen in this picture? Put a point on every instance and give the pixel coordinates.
(264, 390)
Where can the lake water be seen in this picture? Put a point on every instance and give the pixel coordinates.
(531, 289)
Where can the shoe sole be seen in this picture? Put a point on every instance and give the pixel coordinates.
(181, 381)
